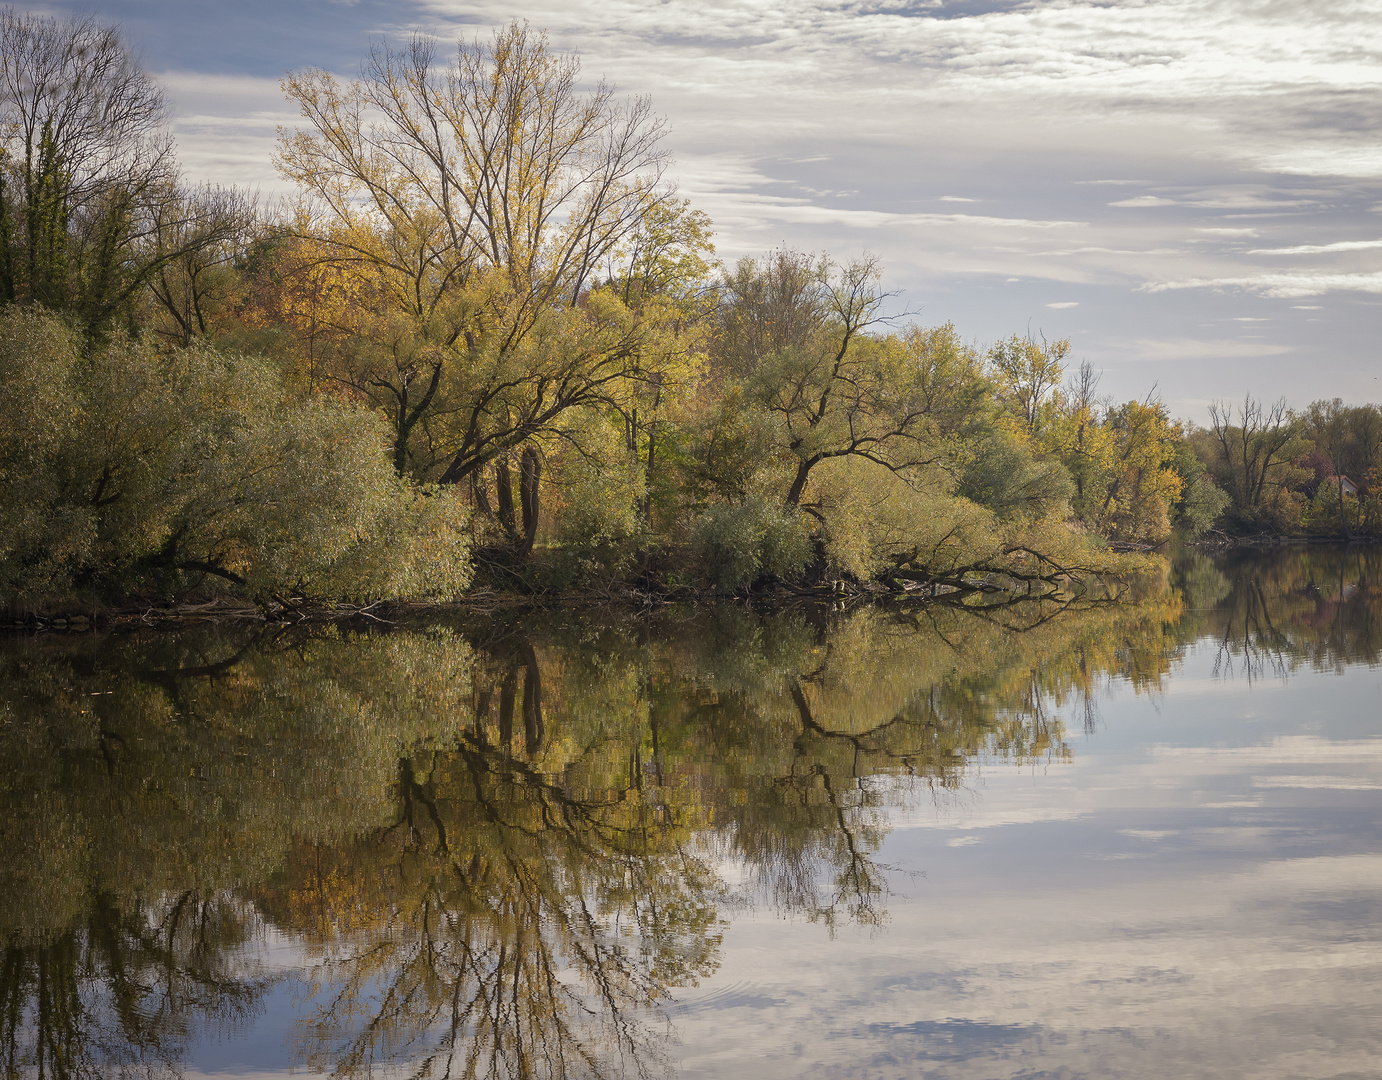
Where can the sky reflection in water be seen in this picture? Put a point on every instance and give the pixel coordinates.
(1137, 841)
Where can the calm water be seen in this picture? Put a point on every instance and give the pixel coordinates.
(1142, 840)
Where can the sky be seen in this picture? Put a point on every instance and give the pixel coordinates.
(1190, 190)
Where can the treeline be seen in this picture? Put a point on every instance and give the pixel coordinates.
(488, 339)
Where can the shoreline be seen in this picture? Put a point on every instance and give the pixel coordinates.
(1226, 542)
(75, 617)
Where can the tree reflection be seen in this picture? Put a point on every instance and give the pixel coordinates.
(1319, 607)
(500, 846)
(125, 988)
(520, 927)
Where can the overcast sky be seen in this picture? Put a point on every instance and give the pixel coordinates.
(1191, 190)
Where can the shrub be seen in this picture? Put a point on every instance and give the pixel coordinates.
(122, 469)
(740, 544)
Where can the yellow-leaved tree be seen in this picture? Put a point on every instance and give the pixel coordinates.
(480, 200)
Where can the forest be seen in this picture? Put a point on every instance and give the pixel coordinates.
(488, 345)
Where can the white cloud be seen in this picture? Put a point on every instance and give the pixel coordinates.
(1319, 249)
(1281, 285)
(1197, 349)
(1146, 200)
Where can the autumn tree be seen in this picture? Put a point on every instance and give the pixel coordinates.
(1026, 372)
(890, 450)
(479, 198)
(795, 329)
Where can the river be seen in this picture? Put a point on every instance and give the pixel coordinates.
(988, 841)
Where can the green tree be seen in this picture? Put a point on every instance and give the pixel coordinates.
(124, 469)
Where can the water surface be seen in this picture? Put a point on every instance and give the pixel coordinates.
(1140, 840)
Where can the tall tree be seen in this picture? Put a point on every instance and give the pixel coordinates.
(1254, 454)
(480, 197)
(91, 207)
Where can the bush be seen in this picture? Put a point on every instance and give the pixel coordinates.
(740, 544)
(123, 470)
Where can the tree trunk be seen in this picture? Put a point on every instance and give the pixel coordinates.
(503, 485)
(795, 492)
(529, 474)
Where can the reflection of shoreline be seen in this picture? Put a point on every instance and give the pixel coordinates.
(516, 808)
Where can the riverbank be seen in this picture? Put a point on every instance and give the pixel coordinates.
(1222, 541)
(78, 616)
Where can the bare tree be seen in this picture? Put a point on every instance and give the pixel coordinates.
(91, 207)
(83, 138)
(196, 234)
(1255, 450)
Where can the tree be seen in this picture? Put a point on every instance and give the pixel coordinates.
(198, 235)
(480, 199)
(124, 469)
(1078, 436)
(1144, 486)
(1254, 454)
(1025, 373)
(891, 444)
(90, 202)
(795, 329)
(1350, 438)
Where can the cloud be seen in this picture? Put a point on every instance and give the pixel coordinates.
(1146, 200)
(1124, 146)
(1065, 304)
(1286, 286)
(1319, 249)
(1152, 349)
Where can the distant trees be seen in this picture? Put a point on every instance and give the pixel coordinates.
(1254, 448)
(1318, 470)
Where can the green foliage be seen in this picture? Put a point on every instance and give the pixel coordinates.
(1005, 476)
(121, 469)
(602, 489)
(40, 535)
(739, 543)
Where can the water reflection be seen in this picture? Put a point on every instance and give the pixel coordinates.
(496, 850)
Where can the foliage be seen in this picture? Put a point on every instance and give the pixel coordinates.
(741, 543)
(123, 469)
